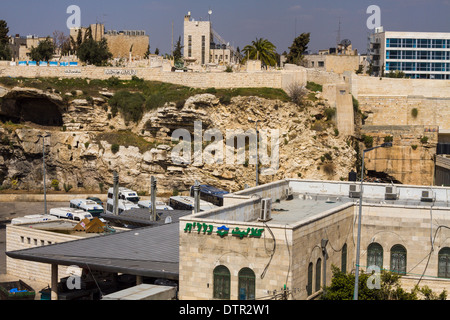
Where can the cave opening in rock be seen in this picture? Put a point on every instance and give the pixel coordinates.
(40, 111)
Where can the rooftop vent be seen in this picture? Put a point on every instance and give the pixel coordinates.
(427, 196)
(289, 194)
(391, 193)
(266, 210)
(355, 191)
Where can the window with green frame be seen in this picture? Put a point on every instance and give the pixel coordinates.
(310, 279)
(246, 284)
(344, 259)
(398, 259)
(444, 263)
(221, 286)
(318, 273)
(375, 255)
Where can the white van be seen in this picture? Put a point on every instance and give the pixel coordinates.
(35, 218)
(123, 205)
(187, 203)
(71, 214)
(124, 194)
(88, 206)
(147, 204)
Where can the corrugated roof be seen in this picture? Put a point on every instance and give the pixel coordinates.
(141, 217)
(149, 251)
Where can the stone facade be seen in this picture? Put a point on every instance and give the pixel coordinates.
(19, 237)
(282, 254)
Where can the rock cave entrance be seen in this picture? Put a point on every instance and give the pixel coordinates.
(40, 111)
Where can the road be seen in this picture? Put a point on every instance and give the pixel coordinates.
(11, 210)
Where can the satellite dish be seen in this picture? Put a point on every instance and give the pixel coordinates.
(346, 42)
(168, 220)
(210, 12)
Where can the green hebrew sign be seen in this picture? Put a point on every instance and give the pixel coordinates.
(223, 231)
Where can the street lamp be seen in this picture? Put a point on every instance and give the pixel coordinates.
(358, 244)
(43, 160)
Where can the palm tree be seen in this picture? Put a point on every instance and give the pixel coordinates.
(261, 49)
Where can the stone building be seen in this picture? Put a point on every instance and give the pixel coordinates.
(203, 45)
(21, 46)
(242, 251)
(126, 44)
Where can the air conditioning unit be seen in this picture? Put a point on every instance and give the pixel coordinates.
(427, 196)
(266, 210)
(391, 193)
(354, 191)
(289, 194)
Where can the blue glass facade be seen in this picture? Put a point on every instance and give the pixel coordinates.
(419, 58)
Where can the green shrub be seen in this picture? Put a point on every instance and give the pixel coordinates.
(414, 112)
(368, 141)
(130, 105)
(424, 139)
(314, 86)
(55, 184)
(330, 113)
(388, 139)
(225, 99)
(67, 187)
(115, 148)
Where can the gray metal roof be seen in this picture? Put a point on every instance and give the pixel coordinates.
(141, 217)
(149, 251)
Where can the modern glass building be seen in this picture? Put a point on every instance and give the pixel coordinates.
(420, 55)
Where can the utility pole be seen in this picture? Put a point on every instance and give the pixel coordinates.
(43, 161)
(153, 198)
(196, 197)
(257, 158)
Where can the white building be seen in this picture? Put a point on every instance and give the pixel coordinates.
(420, 55)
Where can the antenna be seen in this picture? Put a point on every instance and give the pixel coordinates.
(338, 39)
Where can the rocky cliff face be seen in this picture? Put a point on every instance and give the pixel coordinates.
(87, 144)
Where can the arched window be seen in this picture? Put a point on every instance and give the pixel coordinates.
(221, 283)
(310, 279)
(344, 259)
(375, 255)
(398, 259)
(318, 273)
(246, 284)
(444, 263)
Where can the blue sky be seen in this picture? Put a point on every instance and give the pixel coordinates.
(238, 22)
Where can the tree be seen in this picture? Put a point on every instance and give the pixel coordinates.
(261, 49)
(177, 50)
(147, 54)
(299, 46)
(44, 51)
(5, 52)
(157, 51)
(61, 42)
(342, 287)
(94, 52)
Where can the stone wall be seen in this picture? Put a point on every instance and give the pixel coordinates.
(272, 79)
(18, 238)
(430, 111)
(410, 160)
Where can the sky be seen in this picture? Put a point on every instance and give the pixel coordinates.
(239, 22)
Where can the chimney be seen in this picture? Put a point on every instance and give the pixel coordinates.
(116, 194)
(153, 199)
(196, 197)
